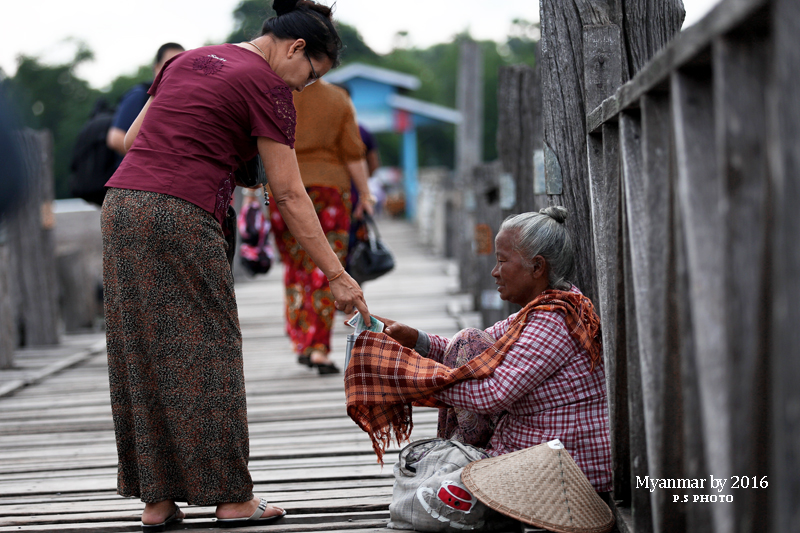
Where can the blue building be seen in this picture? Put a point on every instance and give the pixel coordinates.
(381, 108)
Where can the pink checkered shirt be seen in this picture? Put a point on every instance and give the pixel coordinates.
(546, 387)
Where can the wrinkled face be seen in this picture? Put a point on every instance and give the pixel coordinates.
(516, 282)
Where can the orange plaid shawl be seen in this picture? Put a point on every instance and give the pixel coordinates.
(383, 378)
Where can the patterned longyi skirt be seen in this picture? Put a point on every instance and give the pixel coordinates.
(309, 301)
(174, 352)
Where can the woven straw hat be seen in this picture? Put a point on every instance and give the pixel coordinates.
(541, 486)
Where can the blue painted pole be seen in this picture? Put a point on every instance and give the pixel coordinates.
(410, 183)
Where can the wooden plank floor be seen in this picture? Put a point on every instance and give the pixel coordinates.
(57, 451)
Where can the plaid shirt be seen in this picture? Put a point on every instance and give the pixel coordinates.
(548, 391)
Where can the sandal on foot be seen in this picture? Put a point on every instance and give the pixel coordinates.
(255, 518)
(154, 528)
(304, 360)
(326, 368)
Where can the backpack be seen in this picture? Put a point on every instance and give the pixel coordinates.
(93, 162)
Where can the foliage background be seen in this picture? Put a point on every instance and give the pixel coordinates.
(53, 97)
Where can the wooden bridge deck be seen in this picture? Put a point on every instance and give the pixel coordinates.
(57, 451)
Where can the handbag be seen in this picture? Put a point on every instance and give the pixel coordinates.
(229, 232)
(428, 494)
(250, 174)
(255, 251)
(370, 259)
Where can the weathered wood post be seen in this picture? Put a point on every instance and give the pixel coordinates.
(785, 335)
(7, 318)
(34, 286)
(519, 143)
(469, 153)
(519, 138)
(78, 290)
(649, 24)
(586, 55)
(488, 217)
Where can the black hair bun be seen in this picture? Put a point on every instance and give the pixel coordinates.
(282, 7)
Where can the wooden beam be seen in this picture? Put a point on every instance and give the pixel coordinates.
(686, 48)
(604, 177)
(647, 189)
(784, 339)
(8, 321)
(602, 56)
(680, 342)
(741, 71)
(630, 143)
(564, 120)
(30, 234)
(701, 212)
(488, 217)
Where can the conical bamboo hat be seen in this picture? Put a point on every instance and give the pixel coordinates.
(541, 486)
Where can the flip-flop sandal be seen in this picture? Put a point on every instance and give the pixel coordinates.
(154, 528)
(262, 506)
(327, 368)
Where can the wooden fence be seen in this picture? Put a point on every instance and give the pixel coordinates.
(694, 180)
(28, 287)
(694, 170)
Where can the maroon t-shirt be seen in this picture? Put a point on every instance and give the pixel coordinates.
(209, 106)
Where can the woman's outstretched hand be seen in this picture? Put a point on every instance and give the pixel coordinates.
(349, 298)
(403, 334)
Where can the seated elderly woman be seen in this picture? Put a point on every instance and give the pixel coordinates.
(531, 378)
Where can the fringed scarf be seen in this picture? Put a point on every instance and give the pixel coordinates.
(384, 379)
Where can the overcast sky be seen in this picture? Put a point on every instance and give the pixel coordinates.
(124, 35)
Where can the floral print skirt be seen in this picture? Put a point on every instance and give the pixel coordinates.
(454, 422)
(174, 352)
(309, 301)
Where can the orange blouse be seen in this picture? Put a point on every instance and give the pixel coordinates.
(327, 136)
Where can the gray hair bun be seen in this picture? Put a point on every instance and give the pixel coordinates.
(556, 212)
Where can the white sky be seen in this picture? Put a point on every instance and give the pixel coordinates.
(124, 35)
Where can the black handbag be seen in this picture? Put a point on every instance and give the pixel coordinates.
(251, 173)
(229, 232)
(370, 259)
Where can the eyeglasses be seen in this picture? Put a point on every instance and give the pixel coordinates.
(314, 76)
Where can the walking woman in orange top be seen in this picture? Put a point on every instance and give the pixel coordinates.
(331, 158)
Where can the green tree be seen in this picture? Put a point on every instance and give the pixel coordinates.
(53, 97)
(125, 82)
(248, 17)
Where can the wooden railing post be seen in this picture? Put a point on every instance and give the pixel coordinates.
(30, 232)
(8, 338)
(784, 338)
(604, 177)
(488, 217)
(700, 198)
(741, 69)
(469, 153)
(519, 137)
(709, 131)
(630, 144)
(647, 187)
(564, 125)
